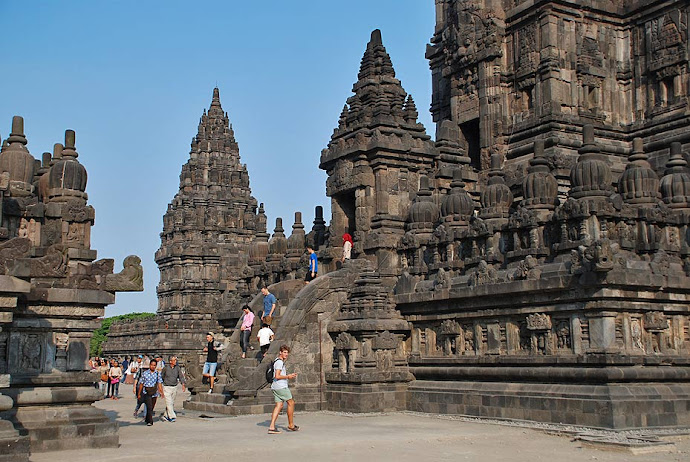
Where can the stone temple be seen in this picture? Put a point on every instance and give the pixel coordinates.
(531, 261)
(208, 230)
(52, 292)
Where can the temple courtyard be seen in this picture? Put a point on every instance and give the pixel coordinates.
(330, 436)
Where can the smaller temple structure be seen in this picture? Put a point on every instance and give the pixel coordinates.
(215, 250)
(53, 292)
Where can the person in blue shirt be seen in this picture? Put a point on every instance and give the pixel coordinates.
(269, 306)
(149, 388)
(313, 266)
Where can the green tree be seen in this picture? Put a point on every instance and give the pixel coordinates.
(100, 334)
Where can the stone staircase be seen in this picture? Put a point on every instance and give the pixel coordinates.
(234, 403)
(300, 323)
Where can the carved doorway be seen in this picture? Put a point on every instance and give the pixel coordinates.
(344, 212)
(470, 133)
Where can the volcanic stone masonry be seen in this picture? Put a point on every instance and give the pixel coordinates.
(215, 251)
(533, 262)
(52, 292)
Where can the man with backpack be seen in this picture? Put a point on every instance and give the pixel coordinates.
(281, 392)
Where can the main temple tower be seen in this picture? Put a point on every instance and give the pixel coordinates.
(505, 72)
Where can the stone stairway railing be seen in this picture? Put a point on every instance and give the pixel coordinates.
(302, 326)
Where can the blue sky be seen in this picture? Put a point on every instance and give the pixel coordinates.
(133, 77)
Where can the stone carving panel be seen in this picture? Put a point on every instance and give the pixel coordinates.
(27, 353)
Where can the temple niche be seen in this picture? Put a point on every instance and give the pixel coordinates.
(53, 291)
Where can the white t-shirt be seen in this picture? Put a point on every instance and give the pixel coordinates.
(282, 383)
(134, 366)
(264, 335)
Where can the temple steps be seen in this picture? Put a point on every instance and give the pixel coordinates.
(52, 428)
(13, 447)
(72, 436)
(307, 399)
(297, 325)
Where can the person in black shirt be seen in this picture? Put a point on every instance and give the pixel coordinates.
(211, 363)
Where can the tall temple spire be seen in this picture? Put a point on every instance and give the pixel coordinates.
(378, 137)
(215, 131)
(379, 98)
(216, 110)
(376, 62)
(212, 214)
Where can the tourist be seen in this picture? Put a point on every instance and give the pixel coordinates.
(93, 366)
(110, 364)
(313, 269)
(211, 363)
(281, 392)
(150, 387)
(131, 370)
(246, 329)
(104, 369)
(115, 375)
(134, 367)
(138, 369)
(171, 375)
(160, 362)
(269, 306)
(265, 337)
(347, 247)
(125, 367)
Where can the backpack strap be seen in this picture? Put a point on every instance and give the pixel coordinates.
(274, 368)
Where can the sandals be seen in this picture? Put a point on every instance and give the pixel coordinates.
(276, 431)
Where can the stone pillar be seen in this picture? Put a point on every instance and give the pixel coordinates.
(319, 227)
(552, 88)
(13, 447)
(338, 218)
(381, 177)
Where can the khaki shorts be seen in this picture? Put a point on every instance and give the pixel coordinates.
(283, 394)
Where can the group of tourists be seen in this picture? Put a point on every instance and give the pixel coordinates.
(152, 383)
(153, 378)
(279, 374)
(112, 371)
(150, 377)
